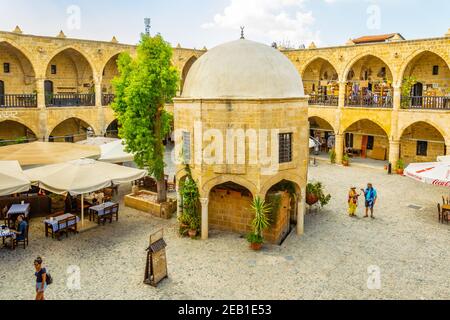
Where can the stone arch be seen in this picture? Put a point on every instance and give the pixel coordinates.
(322, 122)
(74, 123)
(19, 58)
(75, 48)
(357, 58)
(109, 70)
(346, 125)
(428, 122)
(369, 136)
(209, 185)
(23, 50)
(11, 129)
(422, 141)
(314, 59)
(284, 176)
(415, 55)
(112, 129)
(186, 68)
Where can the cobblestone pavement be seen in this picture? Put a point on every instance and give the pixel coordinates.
(329, 262)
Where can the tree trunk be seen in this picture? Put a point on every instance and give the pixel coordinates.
(159, 150)
(162, 190)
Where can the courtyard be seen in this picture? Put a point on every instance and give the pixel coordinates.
(330, 261)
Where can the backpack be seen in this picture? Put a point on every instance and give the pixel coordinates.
(48, 279)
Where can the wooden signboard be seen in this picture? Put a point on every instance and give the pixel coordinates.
(156, 267)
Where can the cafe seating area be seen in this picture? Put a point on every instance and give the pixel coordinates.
(444, 210)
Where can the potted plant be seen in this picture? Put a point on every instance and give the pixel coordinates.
(345, 160)
(315, 193)
(332, 155)
(400, 167)
(194, 225)
(259, 223)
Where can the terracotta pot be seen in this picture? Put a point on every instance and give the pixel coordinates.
(311, 199)
(192, 233)
(400, 171)
(345, 163)
(256, 246)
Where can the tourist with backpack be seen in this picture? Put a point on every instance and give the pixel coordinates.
(43, 279)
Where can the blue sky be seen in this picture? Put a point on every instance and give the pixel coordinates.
(198, 23)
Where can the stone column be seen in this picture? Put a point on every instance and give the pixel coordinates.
(98, 104)
(204, 202)
(339, 147)
(448, 148)
(179, 202)
(301, 209)
(40, 88)
(397, 103)
(342, 90)
(394, 152)
(98, 91)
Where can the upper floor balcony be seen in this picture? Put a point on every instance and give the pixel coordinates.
(426, 103)
(323, 100)
(18, 101)
(369, 101)
(70, 100)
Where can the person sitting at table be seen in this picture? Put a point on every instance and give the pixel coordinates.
(100, 196)
(21, 228)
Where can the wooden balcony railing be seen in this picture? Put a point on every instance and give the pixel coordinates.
(433, 103)
(108, 98)
(371, 101)
(70, 100)
(323, 100)
(18, 101)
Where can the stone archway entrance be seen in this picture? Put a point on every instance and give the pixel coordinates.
(12, 132)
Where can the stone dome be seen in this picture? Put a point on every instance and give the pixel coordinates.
(243, 69)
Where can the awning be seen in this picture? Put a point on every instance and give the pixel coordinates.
(12, 178)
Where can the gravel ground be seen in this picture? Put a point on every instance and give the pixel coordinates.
(329, 262)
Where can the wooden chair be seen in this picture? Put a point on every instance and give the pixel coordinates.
(445, 201)
(24, 241)
(107, 215)
(85, 206)
(115, 211)
(440, 214)
(62, 228)
(72, 225)
(3, 216)
(108, 192)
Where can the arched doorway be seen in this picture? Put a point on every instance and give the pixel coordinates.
(71, 130)
(369, 84)
(367, 142)
(72, 80)
(430, 76)
(12, 132)
(421, 142)
(110, 71)
(230, 208)
(283, 199)
(323, 133)
(17, 78)
(112, 131)
(186, 69)
(320, 80)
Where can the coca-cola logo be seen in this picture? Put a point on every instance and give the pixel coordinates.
(441, 183)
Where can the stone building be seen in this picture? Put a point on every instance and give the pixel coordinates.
(242, 124)
(59, 88)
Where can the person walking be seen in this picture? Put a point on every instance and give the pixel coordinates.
(371, 198)
(353, 198)
(41, 279)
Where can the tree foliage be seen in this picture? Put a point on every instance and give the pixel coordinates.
(145, 84)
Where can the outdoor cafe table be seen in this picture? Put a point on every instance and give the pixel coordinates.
(446, 208)
(99, 210)
(53, 223)
(18, 209)
(5, 232)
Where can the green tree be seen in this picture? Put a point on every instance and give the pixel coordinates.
(146, 83)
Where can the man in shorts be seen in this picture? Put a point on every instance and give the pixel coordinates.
(371, 198)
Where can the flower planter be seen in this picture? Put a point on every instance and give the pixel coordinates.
(345, 163)
(311, 199)
(256, 246)
(192, 233)
(400, 171)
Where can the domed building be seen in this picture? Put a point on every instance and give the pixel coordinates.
(241, 124)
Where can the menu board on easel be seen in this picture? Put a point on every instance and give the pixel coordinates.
(156, 267)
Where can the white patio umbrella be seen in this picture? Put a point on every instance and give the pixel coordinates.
(443, 159)
(80, 177)
(114, 152)
(12, 178)
(437, 173)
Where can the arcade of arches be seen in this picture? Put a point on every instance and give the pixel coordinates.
(43, 76)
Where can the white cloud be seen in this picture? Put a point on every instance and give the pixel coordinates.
(268, 20)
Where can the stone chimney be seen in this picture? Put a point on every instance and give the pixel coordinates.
(17, 30)
(114, 40)
(61, 35)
